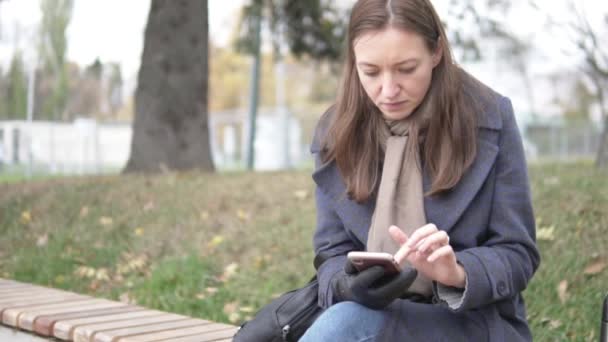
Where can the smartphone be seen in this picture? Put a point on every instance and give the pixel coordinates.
(365, 260)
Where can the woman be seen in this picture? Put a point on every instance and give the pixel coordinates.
(420, 160)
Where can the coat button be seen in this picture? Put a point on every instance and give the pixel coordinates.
(502, 288)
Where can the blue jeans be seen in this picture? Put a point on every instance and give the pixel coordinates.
(348, 322)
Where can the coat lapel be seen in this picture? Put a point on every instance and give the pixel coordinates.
(445, 210)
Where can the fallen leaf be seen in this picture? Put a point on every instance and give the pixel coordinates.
(216, 241)
(551, 181)
(102, 274)
(231, 307)
(42, 240)
(234, 317)
(26, 217)
(149, 206)
(242, 215)
(554, 324)
(139, 231)
(229, 271)
(301, 194)
(204, 215)
(84, 211)
(246, 309)
(562, 291)
(545, 233)
(595, 268)
(105, 221)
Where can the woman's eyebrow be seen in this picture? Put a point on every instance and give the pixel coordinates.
(367, 64)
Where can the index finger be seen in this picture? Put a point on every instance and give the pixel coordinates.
(420, 234)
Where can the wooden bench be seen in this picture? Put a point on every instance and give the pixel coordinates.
(54, 314)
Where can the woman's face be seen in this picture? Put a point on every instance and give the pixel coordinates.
(395, 68)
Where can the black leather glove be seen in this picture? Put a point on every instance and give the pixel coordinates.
(371, 287)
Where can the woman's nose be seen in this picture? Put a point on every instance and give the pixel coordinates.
(390, 88)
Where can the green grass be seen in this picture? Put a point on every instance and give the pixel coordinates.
(219, 246)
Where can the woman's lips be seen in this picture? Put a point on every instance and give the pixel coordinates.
(393, 105)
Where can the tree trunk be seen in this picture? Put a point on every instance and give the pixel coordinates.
(601, 160)
(171, 130)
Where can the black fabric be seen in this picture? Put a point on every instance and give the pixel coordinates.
(372, 287)
(286, 318)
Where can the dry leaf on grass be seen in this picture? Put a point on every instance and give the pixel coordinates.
(229, 271)
(545, 233)
(149, 206)
(301, 194)
(26, 217)
(595, 267)
(84, 211)
(42, 240)
(562, 291)
(216, 241)
(105, 221)
(243, 215)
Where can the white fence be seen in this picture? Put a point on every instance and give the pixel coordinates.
(85, 146)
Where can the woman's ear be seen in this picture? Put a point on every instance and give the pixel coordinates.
(438, 53)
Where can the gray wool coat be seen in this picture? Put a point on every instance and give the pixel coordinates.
(491, 225)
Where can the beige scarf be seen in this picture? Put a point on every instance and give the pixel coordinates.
(400, 200)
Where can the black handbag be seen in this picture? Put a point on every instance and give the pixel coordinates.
(287, 317)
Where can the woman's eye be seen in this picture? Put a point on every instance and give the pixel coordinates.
(407, 71)
(371, 73)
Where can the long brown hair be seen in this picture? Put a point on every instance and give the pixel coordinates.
(449, 144)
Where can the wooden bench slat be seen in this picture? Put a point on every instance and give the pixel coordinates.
(115, 335)
(30, 302)
(65, 329)
(11, 315)
(44, 324)
(38, 295)
(224, 335)
(26, 320)
(161, 336)
(20, 291)
(87, 332)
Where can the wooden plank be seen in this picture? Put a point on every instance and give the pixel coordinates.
(20, 288)
(44, 324)
(13, 286)
(26, 320)
(11, 315)
(155, 329)
(87, 333)
(226, 335)
(65, 329)
(37, 295)
(185, 332)
(55, 299)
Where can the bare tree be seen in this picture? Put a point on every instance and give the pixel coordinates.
(586, 44)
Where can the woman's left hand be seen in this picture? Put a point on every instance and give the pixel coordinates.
(428, 250)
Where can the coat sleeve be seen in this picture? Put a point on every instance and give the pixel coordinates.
(502, 267)
(330, 237)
